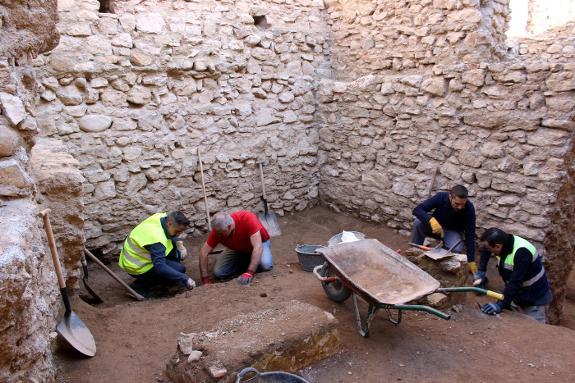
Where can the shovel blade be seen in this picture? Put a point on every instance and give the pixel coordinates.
(438, 253)
(270, 222)
(77, 334)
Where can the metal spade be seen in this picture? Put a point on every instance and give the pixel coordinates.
(71, 328)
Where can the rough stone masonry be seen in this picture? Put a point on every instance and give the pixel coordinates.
(351, 103)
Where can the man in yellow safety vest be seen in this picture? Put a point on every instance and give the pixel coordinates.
(151, 255)
(521, 268)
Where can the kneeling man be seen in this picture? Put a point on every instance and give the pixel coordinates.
(248, 247)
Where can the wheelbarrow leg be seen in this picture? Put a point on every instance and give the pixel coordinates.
(362, 324)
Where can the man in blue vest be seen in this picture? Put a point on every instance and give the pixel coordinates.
(151, 255)
(521, 267)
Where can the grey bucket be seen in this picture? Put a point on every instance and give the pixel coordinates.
(268, 377)
(308, 257)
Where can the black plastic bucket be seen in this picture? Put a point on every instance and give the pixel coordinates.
(308, 257)
(268, 377)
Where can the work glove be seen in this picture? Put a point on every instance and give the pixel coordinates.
(246, 278)
(190, 284)
(207, 281)
(182, 249)
(492, 308)
(436, 227)
(472, 267)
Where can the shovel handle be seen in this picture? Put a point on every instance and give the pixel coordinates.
(56, 260)
(53, 249)
(204, 190)
(111, 273)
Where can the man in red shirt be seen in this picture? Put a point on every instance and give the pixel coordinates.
(247, 242)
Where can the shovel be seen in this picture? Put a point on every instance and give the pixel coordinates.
(268, 219)
(439, 253)
(93, 298)
(70, 328)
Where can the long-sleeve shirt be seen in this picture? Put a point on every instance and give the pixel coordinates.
(524, 268)
(462, 221)
(159, 256)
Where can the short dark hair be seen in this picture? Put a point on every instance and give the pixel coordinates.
(459, 191)
(179, 218)
(494, 236)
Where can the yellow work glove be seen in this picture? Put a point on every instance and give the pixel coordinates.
(436, 227)
(472, 267)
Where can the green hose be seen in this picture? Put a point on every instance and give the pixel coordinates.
(427, 309)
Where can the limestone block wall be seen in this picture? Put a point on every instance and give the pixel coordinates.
(502, 129)
(135, 93)
(372, 37)
(556, 45)
(59, 183)
(27, 315)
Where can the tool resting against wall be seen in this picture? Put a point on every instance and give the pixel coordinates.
(150, 254)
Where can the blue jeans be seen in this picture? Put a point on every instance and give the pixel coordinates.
(450, 237)
(538, 313)
(232, 262)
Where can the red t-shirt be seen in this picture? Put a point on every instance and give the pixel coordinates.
(247, 224)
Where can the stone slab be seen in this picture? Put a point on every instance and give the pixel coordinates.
(287, 338)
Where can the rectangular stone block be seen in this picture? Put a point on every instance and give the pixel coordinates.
(285, 338)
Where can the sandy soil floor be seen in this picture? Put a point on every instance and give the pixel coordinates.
(136, 339)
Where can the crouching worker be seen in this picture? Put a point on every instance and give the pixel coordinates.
(526, 287)
(450, 217)
(150, 254)
(248, 247)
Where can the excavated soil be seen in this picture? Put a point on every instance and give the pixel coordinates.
(136, 339)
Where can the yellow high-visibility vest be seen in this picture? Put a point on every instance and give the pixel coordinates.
(134, 258)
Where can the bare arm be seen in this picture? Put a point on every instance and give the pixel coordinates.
(256, 241)
(204, 259)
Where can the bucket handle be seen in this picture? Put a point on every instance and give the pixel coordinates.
(245, 371)
(323, 279)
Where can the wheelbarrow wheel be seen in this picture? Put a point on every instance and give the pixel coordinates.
(335, 291)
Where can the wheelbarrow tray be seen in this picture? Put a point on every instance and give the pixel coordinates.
(377, 273)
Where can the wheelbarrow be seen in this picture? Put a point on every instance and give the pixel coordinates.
(382, 278)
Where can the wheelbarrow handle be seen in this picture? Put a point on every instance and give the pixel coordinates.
(466, 289)
(427, 309)
(323, 279)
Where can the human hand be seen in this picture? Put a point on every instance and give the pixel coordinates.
(182, 249)
(436, 227)
(245, 278)
(190, 284)
(492, 308)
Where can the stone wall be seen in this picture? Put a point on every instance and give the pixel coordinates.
(376, 37)
(501, 129)
(29, 298)
(557, 45)
(134, 94)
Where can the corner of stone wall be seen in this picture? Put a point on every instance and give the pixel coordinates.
(559, 241)
(59, 184)
(29, 296)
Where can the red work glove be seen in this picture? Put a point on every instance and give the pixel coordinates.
(246, 278)
(207, 281)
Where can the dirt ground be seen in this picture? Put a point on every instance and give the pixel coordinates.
(136, 339)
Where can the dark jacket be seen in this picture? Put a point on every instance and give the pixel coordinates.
(524, 269)
(158, 254)
(462, 221)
